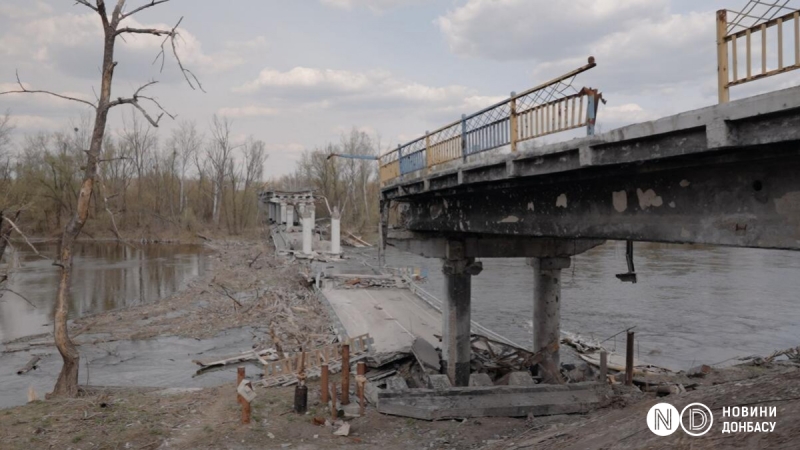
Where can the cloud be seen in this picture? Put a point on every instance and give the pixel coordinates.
(247, 111)
(374, 5)
(538, 29)
(31, 9)
(376, 88)
(35, 123)
(68, 43)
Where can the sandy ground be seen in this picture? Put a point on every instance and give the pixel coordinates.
(270, 292)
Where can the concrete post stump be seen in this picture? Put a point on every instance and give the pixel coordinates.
(456, 313)
(547, 311)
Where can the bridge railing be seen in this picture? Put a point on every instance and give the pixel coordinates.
(735, 38)
(546, 109)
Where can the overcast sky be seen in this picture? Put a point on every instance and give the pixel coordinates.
(296, 74)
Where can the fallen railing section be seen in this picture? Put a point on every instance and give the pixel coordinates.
(736, 34)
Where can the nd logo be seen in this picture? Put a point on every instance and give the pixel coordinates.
(696, 419)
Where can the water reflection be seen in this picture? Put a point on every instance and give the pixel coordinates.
(692, 305)
(106, 276)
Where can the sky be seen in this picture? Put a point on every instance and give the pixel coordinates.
(297, 74)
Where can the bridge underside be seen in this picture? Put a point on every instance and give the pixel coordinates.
(749, 197)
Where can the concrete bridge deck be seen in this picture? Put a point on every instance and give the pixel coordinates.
(722, 175)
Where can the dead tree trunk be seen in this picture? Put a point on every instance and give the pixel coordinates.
(67, 383)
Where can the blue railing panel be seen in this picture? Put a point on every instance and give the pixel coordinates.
(412, 162)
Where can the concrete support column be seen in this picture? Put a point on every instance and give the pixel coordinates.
(547, 311)
(336, 231)
(283, 213)
(308, 227)
(289, 216)
(456, 313)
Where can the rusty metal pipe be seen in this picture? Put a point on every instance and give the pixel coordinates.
(345, 374)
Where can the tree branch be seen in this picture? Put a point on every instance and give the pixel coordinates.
(143, 7)
(186, 72)
(134, 101)
(23, 90)
(14, 226)
(190, 77)
(87, 4)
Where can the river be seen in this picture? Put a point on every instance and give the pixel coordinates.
(106, 276)
(692, 304)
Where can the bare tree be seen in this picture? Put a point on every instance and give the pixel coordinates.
(67, 384)
(219, 154)
(140, 142)
(185, 141)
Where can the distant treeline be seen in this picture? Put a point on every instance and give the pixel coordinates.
(148, 183)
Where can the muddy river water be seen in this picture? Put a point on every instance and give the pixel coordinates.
(691, 305)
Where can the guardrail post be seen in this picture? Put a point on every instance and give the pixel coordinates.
(464, 137)
(513, 124)
(591, 111)
(722, 56)
(427, 149)
(400, 158)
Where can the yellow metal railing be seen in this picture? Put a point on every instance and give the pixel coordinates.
(543, 110)
(735, 43)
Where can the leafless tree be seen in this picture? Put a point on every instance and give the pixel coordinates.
(219, 153)
(184, 142)
(139, 142)
(113, 27)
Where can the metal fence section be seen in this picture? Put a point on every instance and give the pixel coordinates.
(735, 43)
(444, 144)
(549, 108)
(412, 156)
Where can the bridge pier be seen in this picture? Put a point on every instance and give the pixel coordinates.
(308, 232)
(547, 311)
(456, 312)
(336, 231)
(289, 216)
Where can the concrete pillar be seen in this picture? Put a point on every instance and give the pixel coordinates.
(336, 231)
(289, 216)
(308, 227)
(456, 313)
(283, 213)
(547, 310)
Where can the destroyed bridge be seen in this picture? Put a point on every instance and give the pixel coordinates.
(484, 187)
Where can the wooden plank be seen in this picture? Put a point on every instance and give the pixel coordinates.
(780, 44)
(722, 57)
(749, 55)
(735, 61)
(32, 364)
(763, 49)
(797, 38)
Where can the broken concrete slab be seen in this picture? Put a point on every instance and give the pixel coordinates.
(480, 379)
(439, 382)
(396, 383)
(371, 392)
(520, 379)
(494, 401)
(426, 355)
